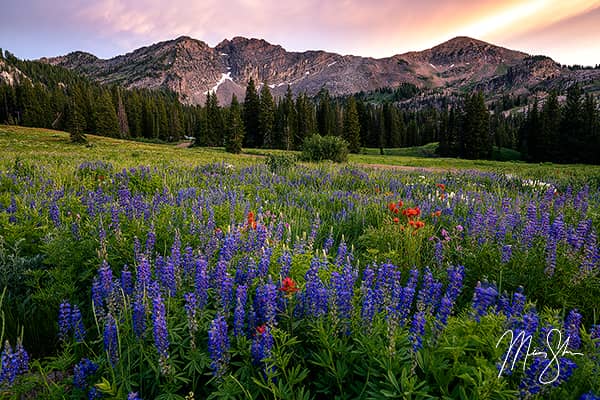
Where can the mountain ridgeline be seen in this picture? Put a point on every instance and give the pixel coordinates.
(192, 69)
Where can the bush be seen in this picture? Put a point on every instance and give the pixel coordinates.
(319, 148)
(279, 163)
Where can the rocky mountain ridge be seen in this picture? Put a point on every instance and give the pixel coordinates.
(192, 69)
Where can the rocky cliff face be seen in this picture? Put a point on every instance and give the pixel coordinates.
(192, 68)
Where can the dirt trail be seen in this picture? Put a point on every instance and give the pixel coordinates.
(184, 145)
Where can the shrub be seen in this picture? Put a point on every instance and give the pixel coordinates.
(319, 148)
(278, 163)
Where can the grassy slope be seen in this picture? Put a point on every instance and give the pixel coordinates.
(54, 148)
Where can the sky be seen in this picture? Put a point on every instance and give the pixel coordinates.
(566, 30)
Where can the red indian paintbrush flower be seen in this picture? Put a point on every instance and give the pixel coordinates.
(288, 286)
(250, 220)
(261, 329)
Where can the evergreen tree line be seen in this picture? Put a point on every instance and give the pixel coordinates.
(55, 97)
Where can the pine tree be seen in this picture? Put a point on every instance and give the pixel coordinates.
(213, 121)
(572, 126)
(549, 143)
(266, 117)
(352, 126)
(533, 133)
(106, 122)
(477, 140)
(75, 120)
(303, 123)
(325, 114)
(134, 114)
(591, 126)
(290, 120)
(121, 115)
(234, 130)
(251, 111)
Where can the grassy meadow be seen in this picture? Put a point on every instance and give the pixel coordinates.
(133, 270)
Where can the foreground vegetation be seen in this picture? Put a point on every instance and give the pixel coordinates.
(144, 271)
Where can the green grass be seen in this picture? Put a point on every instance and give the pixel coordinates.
(54, 147)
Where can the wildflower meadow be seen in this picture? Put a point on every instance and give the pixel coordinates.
(129, 276)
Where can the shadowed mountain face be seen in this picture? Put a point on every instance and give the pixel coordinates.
(191, 68)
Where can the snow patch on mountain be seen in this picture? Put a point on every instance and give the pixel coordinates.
(224, 77)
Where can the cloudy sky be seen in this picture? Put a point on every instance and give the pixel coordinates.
(566, 30)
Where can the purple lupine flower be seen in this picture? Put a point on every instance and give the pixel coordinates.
(595, 334)
(417, 330)
(77, 324)
(8, 367)
(239, 314)
(133, 396)
(557, 229)
(506, 253)
(191, 305)
(518, 302)
(315, 298)
(160, 332)
(188, 261)
(408, 294)
(572, 329)
(137, 249)
(201, 282)
(64, 320)
(265, 303)
(218, 345)
(286, 262)
(550, 257)
(126, 282)
(105, 279)
(342, 253)
(544, 371)
(439, 252)
(82, 371)
(591, 255)
(150, 241)
(343, 291)
(94, 394)
(503, 305)
(21, 358)
(97, 299)
(143, 275)
(328, 243)
(484, 296)
(230, 246)
(531, 322)
(13, 364)
(265, 261)
(167, 275)
(139, 315)
(581, 233)
(225, 293)
(111, 345)
(589, 396)
(456, 275)
(54, 214)
(444, 311)
(455, 282)
(262, 344)
(426, 297)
